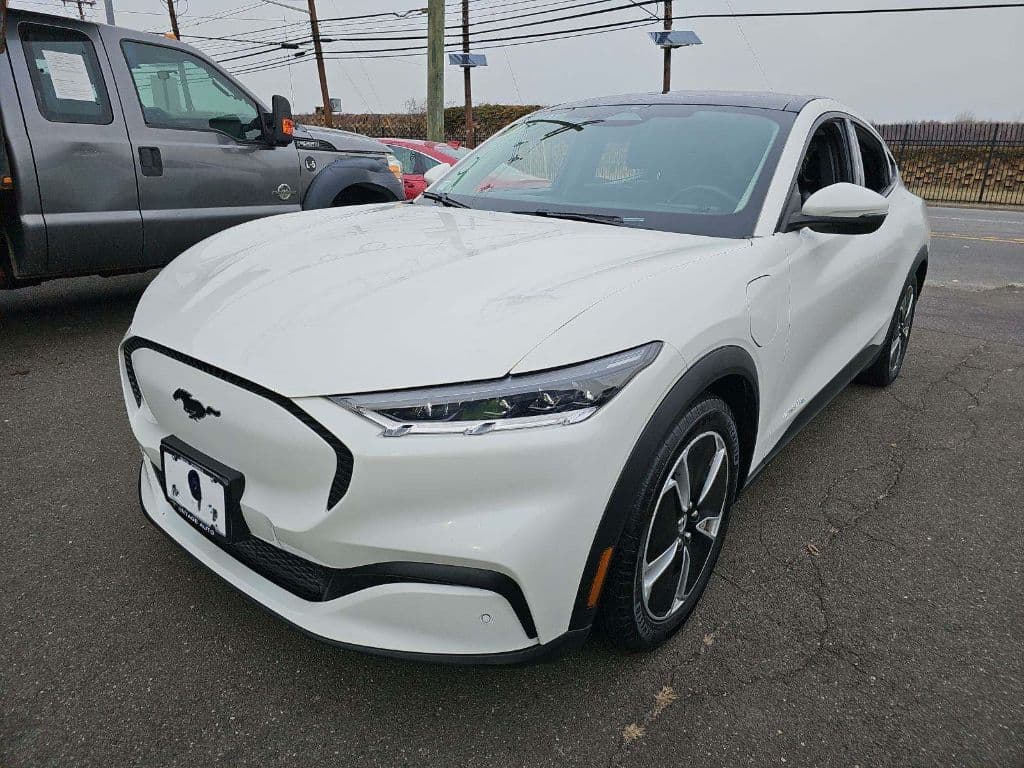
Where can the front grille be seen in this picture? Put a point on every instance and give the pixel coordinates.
(343, 456)
(291, 572)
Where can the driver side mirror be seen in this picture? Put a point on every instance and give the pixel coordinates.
(282, 124)
(435, 173)
(841, 209)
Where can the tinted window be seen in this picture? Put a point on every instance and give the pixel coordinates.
(874, 159)
(422, 163)
(66, 76)
(677, 168)
(178, 90)
(403, 155)
(826, 161)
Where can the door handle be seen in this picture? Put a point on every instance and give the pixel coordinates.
(150, 161)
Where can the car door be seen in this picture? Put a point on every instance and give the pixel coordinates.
(198, 143)
(875, 171)
(83, 159)
(833, 278)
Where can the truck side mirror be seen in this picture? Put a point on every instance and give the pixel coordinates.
(282, 124)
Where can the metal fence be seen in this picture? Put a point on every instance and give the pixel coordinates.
(960, 162)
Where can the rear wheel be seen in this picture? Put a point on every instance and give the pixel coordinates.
(674, 532)
(886, 367)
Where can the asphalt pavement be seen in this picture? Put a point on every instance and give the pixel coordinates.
(868, 608)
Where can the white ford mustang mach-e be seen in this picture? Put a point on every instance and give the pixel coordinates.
(469, 427)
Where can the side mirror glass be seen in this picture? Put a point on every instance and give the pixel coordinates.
(435, 173)
(282, 124)
(841, 209)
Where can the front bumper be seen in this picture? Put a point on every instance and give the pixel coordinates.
(523, 506)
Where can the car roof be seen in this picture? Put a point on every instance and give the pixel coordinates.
(783, 102)
(440, 147)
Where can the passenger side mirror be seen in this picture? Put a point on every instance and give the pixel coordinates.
(841, 209)
(282, 124)
(435, 173)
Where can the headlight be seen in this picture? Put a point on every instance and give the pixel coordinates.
(559, 396)
(395, 166)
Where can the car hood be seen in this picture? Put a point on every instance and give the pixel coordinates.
(343, 141)
(395, 295)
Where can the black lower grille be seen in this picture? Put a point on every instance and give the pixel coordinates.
(317, 583)
(299, 576)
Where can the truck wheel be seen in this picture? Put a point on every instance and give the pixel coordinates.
(361, 194)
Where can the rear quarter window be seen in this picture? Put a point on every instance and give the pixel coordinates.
(65, 74)
(877, 171)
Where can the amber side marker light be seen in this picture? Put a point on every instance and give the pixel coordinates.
(6, 182)
(287, 126)
(598, 582)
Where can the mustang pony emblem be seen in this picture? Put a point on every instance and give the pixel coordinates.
(193, 407)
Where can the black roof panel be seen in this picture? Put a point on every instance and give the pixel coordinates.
(785, 102)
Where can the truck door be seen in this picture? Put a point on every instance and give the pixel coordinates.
(83, 160)
(203, 164)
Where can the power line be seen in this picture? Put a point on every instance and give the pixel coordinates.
(752, 14)
(385, 53)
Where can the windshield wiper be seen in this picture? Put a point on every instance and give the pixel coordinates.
(594, 218)
(444, 199)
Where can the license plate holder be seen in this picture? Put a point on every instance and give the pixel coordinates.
(203, 491)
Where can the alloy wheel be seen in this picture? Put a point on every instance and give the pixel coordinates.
(901, 332)
(685, 525)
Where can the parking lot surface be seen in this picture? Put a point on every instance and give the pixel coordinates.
(867, 610)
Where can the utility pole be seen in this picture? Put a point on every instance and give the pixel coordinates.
(325, 94)
(80, 3)
(435, 70)
(174, 19)
(108, 6)
(666, 82)
(467, 79)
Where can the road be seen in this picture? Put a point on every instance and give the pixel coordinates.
(867, 610)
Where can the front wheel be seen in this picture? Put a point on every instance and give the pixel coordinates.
(675, 530)
(886, 367)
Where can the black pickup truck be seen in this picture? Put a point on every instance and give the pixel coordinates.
(120, 149)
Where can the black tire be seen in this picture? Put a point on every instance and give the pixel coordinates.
(639, 621)
(887, 366)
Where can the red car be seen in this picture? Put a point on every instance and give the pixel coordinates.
(417, 157)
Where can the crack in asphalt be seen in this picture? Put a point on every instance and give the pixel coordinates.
(827, 643)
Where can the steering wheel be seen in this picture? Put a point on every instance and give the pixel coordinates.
(730, 199)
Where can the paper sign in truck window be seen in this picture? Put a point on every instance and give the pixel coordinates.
(70, 76)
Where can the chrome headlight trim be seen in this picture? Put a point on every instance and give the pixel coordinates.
(555, 397)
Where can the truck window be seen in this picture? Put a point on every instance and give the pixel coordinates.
(65, 75)
(181, 91)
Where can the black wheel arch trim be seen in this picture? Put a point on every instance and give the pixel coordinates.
(344, 461)
(548, 651)
(698, 378)
(346, 172)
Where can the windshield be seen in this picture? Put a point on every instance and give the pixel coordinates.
(695, 169)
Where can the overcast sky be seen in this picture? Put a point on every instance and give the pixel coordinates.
(890, 67)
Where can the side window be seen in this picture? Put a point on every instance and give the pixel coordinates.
(66, 75)
(404, 156)
(421, 163)
(179, 90)
(874, 159)
(826, 161)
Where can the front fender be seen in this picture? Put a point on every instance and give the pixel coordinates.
(348, 171)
